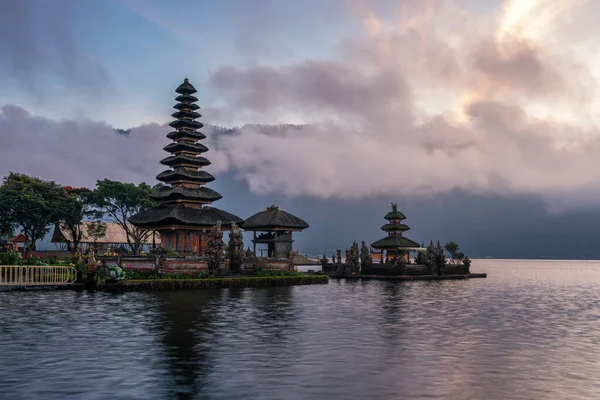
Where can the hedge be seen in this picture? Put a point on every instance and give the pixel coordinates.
(208, 283)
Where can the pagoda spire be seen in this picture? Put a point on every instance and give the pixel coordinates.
(183, 215)
(394, 228)
(185, 177)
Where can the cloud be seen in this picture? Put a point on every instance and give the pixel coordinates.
(80, 152)
(38, 40)
(441, 98)
(421, 107)
(76, 152)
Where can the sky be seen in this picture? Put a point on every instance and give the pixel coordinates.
(344, 105)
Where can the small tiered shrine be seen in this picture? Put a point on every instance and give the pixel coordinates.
(394, 244)
(274, 228)
(183, 217)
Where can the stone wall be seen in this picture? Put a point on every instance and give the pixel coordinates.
(456, 269)
(173, 263)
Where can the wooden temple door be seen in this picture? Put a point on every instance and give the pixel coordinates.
(195, 242)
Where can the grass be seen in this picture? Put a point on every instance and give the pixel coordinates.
(208, 283)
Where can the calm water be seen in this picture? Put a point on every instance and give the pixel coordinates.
(531, 330)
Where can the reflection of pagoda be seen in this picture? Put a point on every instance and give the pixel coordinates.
(182, 218)
(394, 243)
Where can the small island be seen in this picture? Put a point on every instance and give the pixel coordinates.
(395, 262)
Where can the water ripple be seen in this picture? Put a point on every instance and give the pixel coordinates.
(529, 331)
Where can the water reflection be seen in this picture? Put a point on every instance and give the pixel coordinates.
(186, 321)
(522, 333)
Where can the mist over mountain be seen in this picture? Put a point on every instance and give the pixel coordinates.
(484, 225)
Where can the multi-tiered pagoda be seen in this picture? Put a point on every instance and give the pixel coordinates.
(183, 216)
(396, 245)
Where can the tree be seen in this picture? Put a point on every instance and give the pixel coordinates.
(365, 256)
(214, 248)
(96, 230)
(354, 258)
(456, 256)
(7, 227)
(236, 247)
(31, 204)
(79, 205)
(119, 201)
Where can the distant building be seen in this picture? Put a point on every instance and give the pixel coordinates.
(18, 243)
(394, 244)
(115, 236)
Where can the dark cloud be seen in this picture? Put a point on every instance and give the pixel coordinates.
(38, 40)
(76, 152)
(80, 152)
(369, 132)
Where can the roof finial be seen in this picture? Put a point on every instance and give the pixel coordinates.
(395, 206)
(186, 80)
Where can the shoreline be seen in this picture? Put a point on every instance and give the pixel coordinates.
(411, 278)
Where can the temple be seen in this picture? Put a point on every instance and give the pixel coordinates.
(183, 217)
(276, 226)
(394, 244)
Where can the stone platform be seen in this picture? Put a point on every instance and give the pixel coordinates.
(410, 278)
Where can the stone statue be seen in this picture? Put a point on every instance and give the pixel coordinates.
(91, 260)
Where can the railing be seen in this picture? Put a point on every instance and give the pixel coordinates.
(23, 275)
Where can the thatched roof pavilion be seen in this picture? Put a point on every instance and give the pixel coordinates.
(277, 227)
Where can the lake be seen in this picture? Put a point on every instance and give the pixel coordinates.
(531, 330)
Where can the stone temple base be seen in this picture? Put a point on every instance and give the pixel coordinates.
(145, 263)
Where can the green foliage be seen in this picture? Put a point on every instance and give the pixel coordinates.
(13, 258)
(163, 251)
(119, 201)
(261, 271)
(79, 205)
(365, 256)
(96, 230)
(140, 274)
(353, 258)
(456, 256)
(208, 283)
(32, 205)
(10, 258)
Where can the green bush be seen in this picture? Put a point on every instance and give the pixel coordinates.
(261, 271)
(207, 283)
(10, 258)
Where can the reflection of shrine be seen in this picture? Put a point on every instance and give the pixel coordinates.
(273, 228)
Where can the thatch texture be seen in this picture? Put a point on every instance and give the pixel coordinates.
(273, 219)
(182, 215)
(180, 193)
(395, 227)
(115, 234)
(394, 242)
